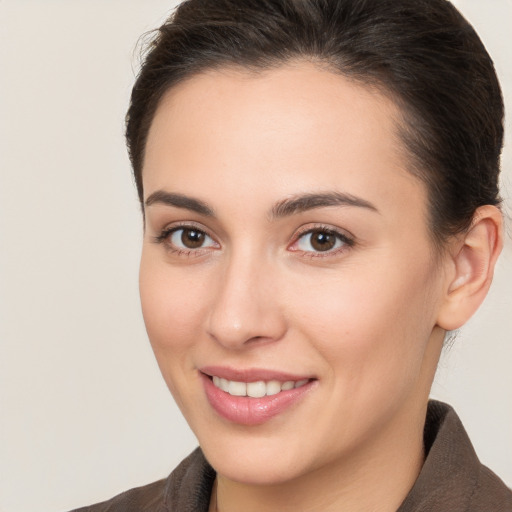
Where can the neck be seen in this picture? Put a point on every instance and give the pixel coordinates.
(378, 479)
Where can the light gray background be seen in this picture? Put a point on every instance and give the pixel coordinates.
(84, 413)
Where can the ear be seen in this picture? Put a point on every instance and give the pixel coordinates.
(471, 267)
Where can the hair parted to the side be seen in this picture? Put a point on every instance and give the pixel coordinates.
(422, 53)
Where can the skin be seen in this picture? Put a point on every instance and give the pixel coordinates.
(366, 319)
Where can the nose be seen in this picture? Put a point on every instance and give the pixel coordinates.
(245, 308)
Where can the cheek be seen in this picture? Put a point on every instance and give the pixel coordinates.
(370, 324)
(173, 311)
(172, 306)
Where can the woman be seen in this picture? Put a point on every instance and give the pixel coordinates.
(319, 186)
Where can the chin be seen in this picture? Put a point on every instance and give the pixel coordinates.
(248, 470)
(262, 458)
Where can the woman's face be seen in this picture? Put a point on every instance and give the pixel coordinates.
(287, 252)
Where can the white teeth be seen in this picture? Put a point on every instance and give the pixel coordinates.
(237, 388)
(256, 389)
(273, 387)
(224, 385)
(221, 383)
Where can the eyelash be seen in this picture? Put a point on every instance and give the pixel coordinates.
(166, 233)
(347, 241)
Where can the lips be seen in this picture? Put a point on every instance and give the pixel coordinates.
(252, 397)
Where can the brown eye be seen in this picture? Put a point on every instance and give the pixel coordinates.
(190, 239)
(321, 240)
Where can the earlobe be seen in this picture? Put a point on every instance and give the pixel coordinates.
(472, 267)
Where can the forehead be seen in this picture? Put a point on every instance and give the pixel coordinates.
(297, 123)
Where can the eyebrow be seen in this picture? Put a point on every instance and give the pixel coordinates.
(305, 202)
(180, 201)
(284, 208)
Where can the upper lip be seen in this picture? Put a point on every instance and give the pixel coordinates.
(251, 374)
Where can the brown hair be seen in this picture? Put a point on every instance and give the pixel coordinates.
(422, 52)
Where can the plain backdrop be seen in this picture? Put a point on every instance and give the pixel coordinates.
(84, 413)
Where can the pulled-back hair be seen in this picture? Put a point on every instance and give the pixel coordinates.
(422, 53)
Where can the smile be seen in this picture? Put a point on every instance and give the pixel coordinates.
(254, 396)
(256, 389)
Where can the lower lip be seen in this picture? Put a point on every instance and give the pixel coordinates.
(245, 410)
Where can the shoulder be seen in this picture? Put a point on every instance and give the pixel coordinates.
(148, 498)
(483, 489)
(187, 488)
(490, 493)
(452, 477)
